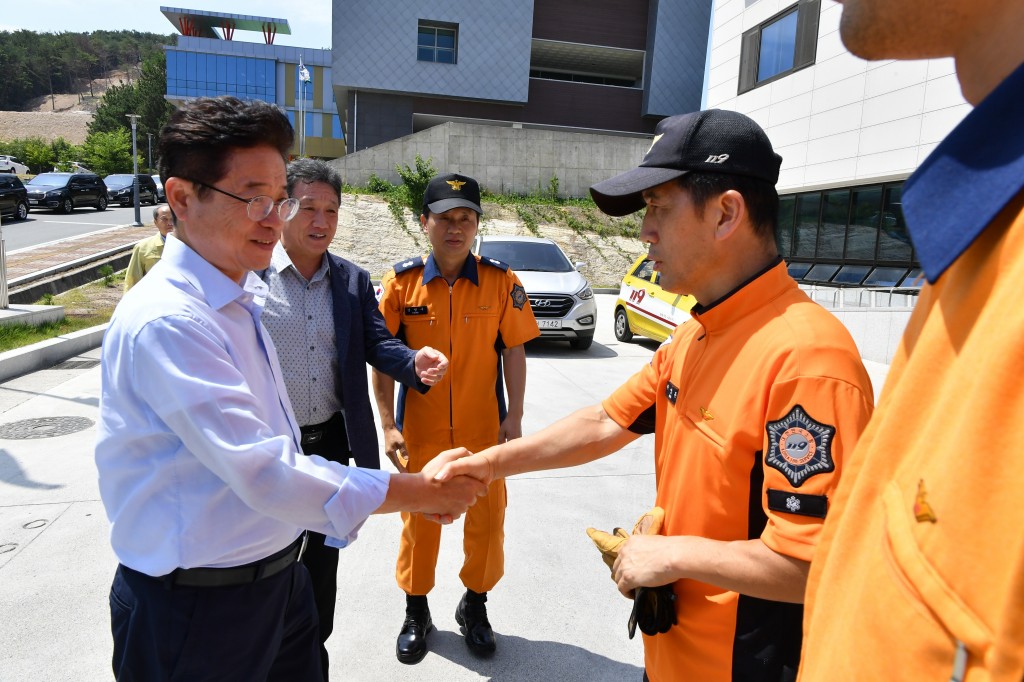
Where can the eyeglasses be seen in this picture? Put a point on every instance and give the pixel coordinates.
(258, 208)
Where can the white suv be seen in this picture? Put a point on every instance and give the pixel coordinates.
(9, 164)
(560, 296)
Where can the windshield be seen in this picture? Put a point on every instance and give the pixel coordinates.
(527, 256)
(118, 180)
(54, 179)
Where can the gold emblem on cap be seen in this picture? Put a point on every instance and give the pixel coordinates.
(456, 184)
(654, 142)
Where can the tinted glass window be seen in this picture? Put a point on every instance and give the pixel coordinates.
(885, 277)
(864, 216)
(822, 272)
(832, 236)
(644, 270)
(805, 239)
(893, 238)
(778, 46)
(784, 230)
(527, 256)
(851, 274)
(914, 278)
(798, 270)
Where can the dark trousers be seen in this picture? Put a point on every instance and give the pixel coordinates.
(320, 560)
(266, 630)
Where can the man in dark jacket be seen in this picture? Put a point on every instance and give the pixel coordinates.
(322, 315)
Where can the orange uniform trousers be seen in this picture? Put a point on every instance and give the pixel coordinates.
(483, 539)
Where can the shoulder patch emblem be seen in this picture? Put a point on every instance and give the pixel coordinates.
(799, 446)
(518, 296)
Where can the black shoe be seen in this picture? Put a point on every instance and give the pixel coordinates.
(471, 614)
(412, 640)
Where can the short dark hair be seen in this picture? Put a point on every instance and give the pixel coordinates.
(196, 140)
(760, 196)
(313, 170)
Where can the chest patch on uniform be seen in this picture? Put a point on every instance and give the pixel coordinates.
(671, 392)
(416, 310)
(518, 296)
(799, 446)
(797, 503)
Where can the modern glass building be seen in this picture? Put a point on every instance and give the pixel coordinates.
(208, 62)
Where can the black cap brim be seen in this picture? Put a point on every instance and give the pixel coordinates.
(449, 204)
(622, 194)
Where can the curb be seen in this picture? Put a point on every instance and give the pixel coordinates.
(46, 354)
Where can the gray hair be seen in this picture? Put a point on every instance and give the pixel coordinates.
(310, 171)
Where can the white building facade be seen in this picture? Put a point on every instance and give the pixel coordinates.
(849, 133)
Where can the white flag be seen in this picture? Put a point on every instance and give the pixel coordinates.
(303, 73)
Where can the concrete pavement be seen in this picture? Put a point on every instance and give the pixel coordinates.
(556, 613)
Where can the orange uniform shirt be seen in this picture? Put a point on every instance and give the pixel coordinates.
(754, 405)
(470, 321)
(926, 555)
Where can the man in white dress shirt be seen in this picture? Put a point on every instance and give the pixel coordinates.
(200, 468)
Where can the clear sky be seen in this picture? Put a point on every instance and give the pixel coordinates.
(310, 20)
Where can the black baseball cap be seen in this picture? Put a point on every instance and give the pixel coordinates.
(446, 192)
(713, 141)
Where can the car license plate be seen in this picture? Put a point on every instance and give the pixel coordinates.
(549, 324)
(33, 202)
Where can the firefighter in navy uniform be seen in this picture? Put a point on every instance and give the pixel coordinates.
(476, 312)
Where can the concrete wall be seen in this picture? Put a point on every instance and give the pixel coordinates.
(503, 160)
(843, 120)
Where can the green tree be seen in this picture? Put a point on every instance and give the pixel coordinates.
(111, 114)
(150, 89)
(39, 155)
(108, 152)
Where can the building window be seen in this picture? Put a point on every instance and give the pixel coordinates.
(785, 43)
(437, 42)
(847, 236)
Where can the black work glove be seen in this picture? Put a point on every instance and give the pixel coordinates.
(654, 610)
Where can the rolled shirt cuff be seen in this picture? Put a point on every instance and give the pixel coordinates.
(360, 494)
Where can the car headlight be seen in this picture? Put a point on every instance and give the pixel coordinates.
(585, 294)
(53, 194)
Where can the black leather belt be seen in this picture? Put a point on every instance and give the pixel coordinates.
(315, 433)
(238, 575)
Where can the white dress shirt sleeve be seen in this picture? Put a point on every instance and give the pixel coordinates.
(212, 394)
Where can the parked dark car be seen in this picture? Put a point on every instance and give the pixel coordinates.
(120, 188)
(13, 197)
(66, 191)
(160, 195)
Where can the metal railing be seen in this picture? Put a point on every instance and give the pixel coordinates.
(863, 297)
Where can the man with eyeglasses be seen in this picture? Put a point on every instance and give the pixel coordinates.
(198, 452)
(147, 252)
(322, 315)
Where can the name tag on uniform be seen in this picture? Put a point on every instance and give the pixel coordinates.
(671, 392)
(416, 310)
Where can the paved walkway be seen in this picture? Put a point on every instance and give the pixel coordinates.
(55, 254)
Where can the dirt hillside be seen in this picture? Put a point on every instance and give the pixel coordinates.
(64, 115)
(369, 236)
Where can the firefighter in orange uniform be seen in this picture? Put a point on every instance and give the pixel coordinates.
(754, 404)
(477, 311)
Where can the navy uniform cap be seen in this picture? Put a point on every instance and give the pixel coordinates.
(446, 192)
(712, 141)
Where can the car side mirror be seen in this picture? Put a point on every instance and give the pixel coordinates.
(580, 265)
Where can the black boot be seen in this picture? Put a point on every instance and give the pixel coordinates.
(471, 614)
(412, 640)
